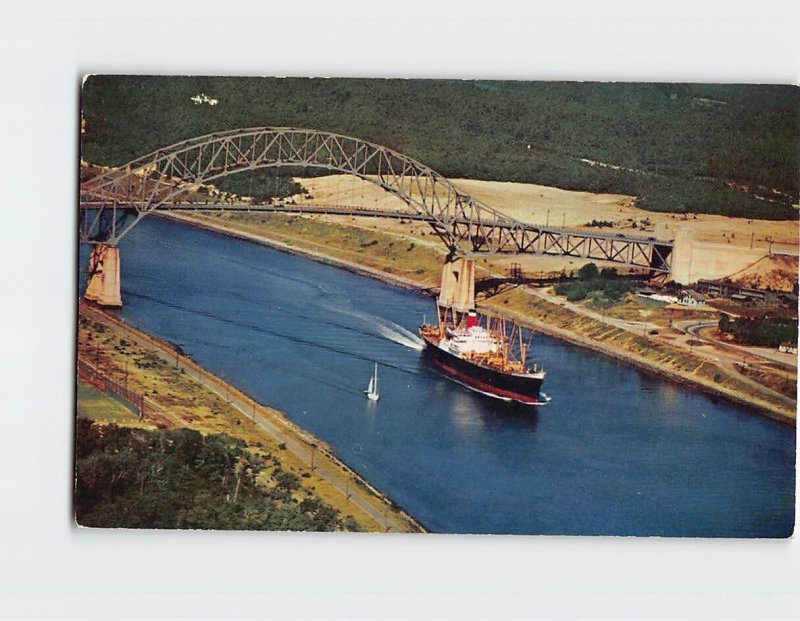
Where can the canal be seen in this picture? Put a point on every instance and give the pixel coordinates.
(615, 452)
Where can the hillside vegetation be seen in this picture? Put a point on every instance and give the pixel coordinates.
(604, 288)
(728, 149)
(136, 478)
(765, 332)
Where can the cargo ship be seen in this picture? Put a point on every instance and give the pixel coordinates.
(484, 358)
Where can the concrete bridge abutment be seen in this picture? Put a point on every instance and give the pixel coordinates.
(104, 276)
(693, 260)
(458, 285)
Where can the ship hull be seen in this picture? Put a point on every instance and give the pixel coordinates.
(506, 386)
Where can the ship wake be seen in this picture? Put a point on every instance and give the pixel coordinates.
(401, 336)
(387, 329)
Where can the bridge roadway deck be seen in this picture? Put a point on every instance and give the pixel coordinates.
(557, 241)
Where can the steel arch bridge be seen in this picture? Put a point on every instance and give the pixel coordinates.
(114, 201)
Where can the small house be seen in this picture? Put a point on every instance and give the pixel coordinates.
(690, 297)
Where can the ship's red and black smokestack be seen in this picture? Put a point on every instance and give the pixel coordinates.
(472, 319)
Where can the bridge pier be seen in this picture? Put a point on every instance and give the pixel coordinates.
(104, 276)
(458, 285)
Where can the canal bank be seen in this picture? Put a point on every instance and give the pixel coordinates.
(692, 373)
(267, 431)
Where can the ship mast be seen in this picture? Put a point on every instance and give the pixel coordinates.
(523, 350)
(511, 339)
(504, 340)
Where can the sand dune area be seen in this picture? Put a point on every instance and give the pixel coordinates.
(554, 207)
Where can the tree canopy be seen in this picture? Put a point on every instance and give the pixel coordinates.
(716, 148)
(134, 478)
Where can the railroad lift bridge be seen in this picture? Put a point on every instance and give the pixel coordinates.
(114, 201)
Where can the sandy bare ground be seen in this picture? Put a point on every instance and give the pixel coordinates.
(778, 272)
(526, 202)
(548, 206)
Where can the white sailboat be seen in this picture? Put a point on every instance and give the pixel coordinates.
(372, 389)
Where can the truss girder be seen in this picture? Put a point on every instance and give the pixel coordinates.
(465, 225)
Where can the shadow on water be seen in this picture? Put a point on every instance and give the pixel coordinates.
(469, 408)
(483, 410)
(509, 415)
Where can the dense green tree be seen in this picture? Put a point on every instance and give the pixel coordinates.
(729, 149)
(136, 478)
(604, 287)
(588, 272)
(767, 332)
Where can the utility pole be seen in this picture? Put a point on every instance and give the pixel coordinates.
(313, 451)
(225, 386)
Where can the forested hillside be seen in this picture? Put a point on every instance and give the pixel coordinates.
(135, 478)
(729, 149)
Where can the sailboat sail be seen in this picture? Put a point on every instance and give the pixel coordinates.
(372, 388)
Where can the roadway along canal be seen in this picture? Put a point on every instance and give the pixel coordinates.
(615, 452)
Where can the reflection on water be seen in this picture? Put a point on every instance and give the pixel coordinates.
(523, 418)
(614, 452)
(463, 411)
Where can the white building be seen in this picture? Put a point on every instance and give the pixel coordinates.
(690, 297)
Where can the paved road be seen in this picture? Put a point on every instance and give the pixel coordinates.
(731, 357)
(695, 328)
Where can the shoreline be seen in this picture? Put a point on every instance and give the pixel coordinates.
(272, 421)
(555, 332)
(350, 266)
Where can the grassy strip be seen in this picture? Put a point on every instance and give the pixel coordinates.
(652, 353)
(776, 381)
(107, 408)
(398, 255)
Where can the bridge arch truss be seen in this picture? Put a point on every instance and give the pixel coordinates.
(467, 226)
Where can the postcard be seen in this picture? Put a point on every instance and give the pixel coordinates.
(446, 306)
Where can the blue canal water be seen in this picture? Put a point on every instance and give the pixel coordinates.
(616, 451)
